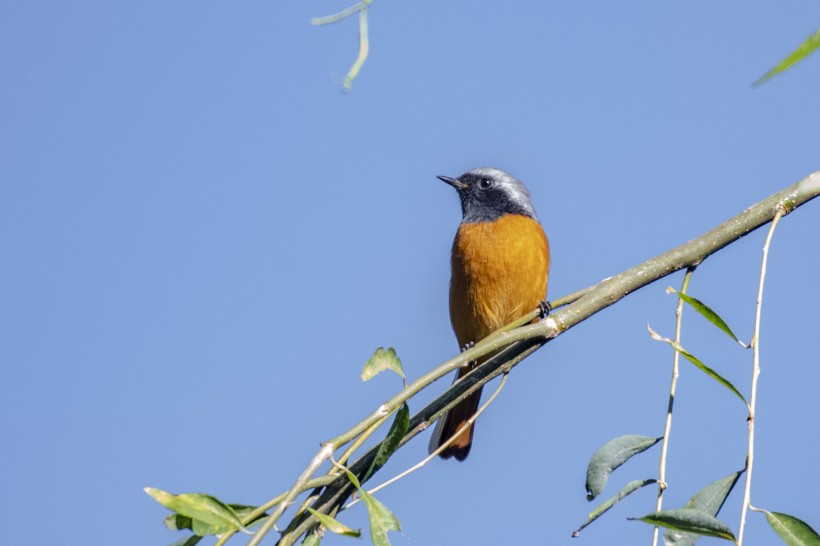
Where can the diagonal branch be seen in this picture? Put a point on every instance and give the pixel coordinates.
(522, 341)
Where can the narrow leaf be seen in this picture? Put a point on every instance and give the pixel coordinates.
(710, 499)
(353, 479)
(382, 519)
(334, 525)
(709, 314)
(793, 531)
(805, 49)
(391, 442)
(380, 361)
(694, 360)
(612, 455)
(709, 371)
(209, 515)
(599, 511)
(691, 521)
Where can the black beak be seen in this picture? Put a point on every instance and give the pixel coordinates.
(457, 184)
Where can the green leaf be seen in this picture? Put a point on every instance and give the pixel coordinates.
(391, 442)
(793, 531)
(192, 540)
(334, 525)
(612, 455)
(708, 313)
(709, 371)
(244, 510)
(353, 479)
(311, 540)
(380, 361)
(803, 50)
(599, 511)
(381, 518)
(177, 522)
(209, 515)
(710, 499)
(694, 360)
(689, 520)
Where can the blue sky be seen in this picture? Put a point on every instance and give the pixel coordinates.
(204, 239)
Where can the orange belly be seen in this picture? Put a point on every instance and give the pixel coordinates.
(499, 273)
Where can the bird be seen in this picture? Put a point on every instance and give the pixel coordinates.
(500, 264)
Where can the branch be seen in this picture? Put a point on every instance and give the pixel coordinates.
(519, 342)
(755, 374)
(686, 255)
(667, 428)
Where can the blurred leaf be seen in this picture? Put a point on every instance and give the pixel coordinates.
(612, 455)
(192, 540)
(382, 519)
(244, 510)
(793, 531)
(803, 50)
(710, 499)
(391, 442)
(209, 515)
(257, 522)
(380, 361)
(694, 360)
(599, 511)
(708, 313)
(177, 522)
(334, 525)
(689, 520)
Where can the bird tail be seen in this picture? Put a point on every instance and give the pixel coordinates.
(453, 420)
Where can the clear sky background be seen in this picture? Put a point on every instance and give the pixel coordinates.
(203, 240)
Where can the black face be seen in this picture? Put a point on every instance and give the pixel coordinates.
(485, 198)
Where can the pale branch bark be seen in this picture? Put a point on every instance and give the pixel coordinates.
(522, 341)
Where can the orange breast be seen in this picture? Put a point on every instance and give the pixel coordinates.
(499, 273)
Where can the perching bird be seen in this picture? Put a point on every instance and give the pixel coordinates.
(500, 264)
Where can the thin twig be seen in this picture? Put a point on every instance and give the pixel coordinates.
(335, 493)
(667, 429)
(345, 13)
(747, 493)
(324, 453)
(361, 439)
(443, 446)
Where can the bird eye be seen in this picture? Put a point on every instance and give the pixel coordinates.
(485, 183)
